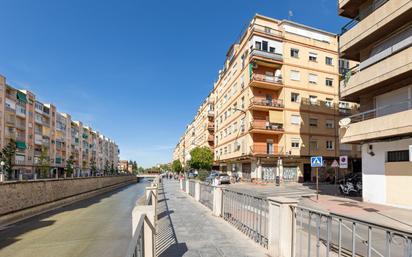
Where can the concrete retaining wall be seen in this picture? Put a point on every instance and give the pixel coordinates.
(19, 200)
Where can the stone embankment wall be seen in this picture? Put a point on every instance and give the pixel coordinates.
(22, 199)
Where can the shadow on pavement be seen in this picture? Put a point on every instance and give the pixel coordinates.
(166, 240)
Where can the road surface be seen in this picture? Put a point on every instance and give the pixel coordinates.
(96, 227)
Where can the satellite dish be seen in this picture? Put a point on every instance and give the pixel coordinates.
(344, 122)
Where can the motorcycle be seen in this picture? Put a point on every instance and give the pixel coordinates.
(351, 185)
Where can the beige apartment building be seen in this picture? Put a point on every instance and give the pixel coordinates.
(379, 37)
(40, 130)
(276, 103)
(199, 133)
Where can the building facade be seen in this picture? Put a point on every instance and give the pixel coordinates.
(43, 133)
(379, 37)
(276, 103)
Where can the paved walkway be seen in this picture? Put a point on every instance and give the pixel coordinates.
(187, 228)
(96, 227)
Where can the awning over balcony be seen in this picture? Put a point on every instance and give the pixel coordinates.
(22, 97)
(276, 117)
(20, 145)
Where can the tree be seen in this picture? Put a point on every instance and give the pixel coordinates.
(112, 170)
(69, 169)
(93, 167)
(134, 167)
(8, 155)
(44, 162)
(106, 167)
(202, 158)
(177, 166)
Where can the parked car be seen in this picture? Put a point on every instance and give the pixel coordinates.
(223, 178)
(211, 177)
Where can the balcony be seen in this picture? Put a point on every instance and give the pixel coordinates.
(349, 8)
(211, 126)
(266, 56)
(377, 21)
(10, 135)
(376, 75)
(266, 104)
(210, 138)
(384, 122)
(265, 127)
(261, 149)
(266, 81)
(211, 113)
(267, 31)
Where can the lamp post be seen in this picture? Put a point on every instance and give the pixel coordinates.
(2, 178)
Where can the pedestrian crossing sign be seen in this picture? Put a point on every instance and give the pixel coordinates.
(316, 161)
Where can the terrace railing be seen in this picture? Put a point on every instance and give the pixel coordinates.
(206, 195)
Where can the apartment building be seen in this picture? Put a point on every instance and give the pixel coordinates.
(40, 131)
(199, 133)
(276, 103)
(379, 37)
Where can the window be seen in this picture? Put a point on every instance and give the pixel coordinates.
(295, 143)
(295, 119)
(313, 78)
(313, 57)
(313, 100)
(294, 53)
(258, 45)
(265, 46)
(330, 124)
(398, 156)
(313, 145)
(295, 75)
(329, 145)
(329, 102)
(272, 49)
(329, 82)
(294, 97)
(269, 146)
(313, 122)
(329, 60)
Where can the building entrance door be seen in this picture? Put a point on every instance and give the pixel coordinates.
(307, 170)
(268, 172)
(246, 171)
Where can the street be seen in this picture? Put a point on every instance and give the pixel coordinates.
(99, 226)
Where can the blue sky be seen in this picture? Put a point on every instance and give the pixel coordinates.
(134, 70)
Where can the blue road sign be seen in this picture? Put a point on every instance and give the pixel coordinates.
(316, 161)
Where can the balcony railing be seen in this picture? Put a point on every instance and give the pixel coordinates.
(211, 113)
(380, 111)
(364, 13)
(267, 78)
(265, 125)
(266, 54)
(266, 102)
(264, 149)
(267, 30)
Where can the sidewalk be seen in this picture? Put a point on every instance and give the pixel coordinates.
(187, 228)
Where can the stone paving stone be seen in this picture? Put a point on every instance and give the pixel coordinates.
(187, 228)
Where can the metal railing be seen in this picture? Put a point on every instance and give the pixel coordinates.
(267, 102)
(267, 30)
(381, 111)
(206, 195)
(319, 233)
(267, 78)
(266, 126)
(247, 213)
(192, 186)
(136, 248)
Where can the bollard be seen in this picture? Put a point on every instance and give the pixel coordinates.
(197, 191)
(217, 201)
(281, 226)
(181, 183)
(2, 178)
(72, 175)
(20, 176)
(35, 176)
(57, 175)
(187, 186)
